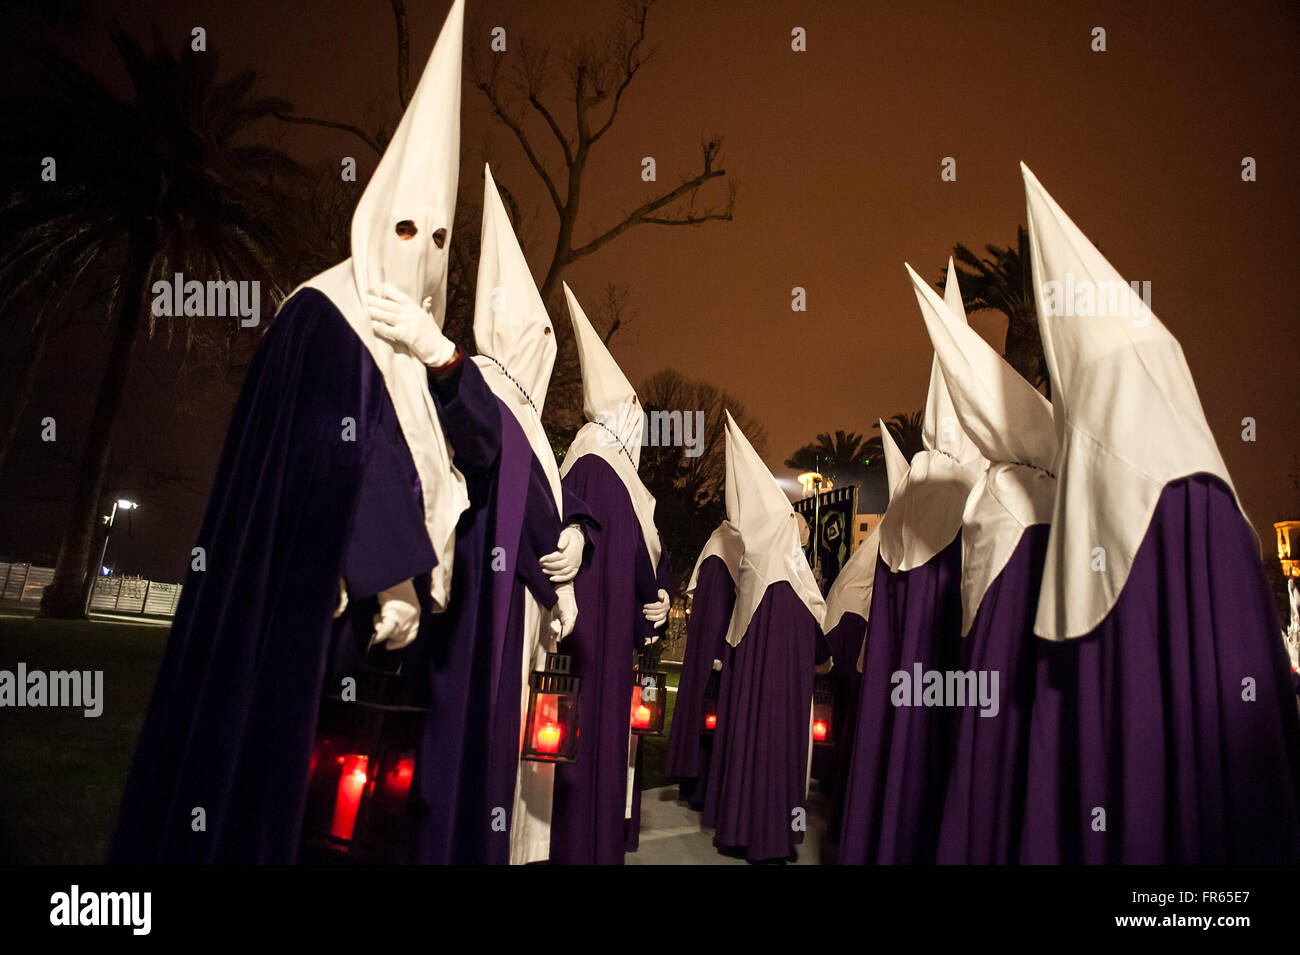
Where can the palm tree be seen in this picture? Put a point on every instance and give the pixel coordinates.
(906, 431)
(147, 185)
(844, 448)
(1003, 282)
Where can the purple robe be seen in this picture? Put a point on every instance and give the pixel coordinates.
(756, 783)
(987, 779)
(1145, 719)
(588, 817)
(895, 789)
(689, 747)
(470, 656)
(845, 642)
(632, 825)
(295, 506)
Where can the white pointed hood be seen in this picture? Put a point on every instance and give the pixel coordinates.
(414, 184)
(725, 544)
(896, 465)
(851, 590)
(1127, 414)
(768, 526)
(941, 428)
(512, 331)
(614, 421)
(925, 508)
(1011, 425)
(608, 398)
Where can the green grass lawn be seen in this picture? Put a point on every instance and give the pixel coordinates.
(61, 773)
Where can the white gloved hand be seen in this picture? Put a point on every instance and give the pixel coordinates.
(717, 665)
(657, 612)
(566, 612)
(343, 599)
(398, 620)
(562, 564)
(398, 319)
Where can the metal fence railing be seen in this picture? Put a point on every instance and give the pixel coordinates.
(25, 583)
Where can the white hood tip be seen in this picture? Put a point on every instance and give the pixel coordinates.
(608, 398)
(415, 185)
(766, 522)
(511, 325)
(1127, 413)
(1005, 417)
(941, 428)
(896, 465)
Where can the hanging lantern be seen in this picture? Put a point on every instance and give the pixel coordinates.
(823, 708)
(711, 689)
(649, 697)
(552, 727)
(361, 769)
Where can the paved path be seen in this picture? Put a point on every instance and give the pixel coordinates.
(671, 833)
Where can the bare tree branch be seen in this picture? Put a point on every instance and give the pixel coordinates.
(642, 215)
(403, 52)
(631, 63)
(488, 89)
(356, 131)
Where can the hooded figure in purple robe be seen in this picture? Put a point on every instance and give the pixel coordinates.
(475, 801)
(712, 590)
(848, 608)
(758, 780)
(621, 604)
(1003, 539)
(898, 769)
(1164, 726)
(330, 527)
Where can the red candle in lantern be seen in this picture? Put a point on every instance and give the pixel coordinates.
(548, 738)
(398, 781)
(711, 721)
(352, 783)
(641, 717)
(819, 730)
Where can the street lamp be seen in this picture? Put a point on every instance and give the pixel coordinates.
(121, 504)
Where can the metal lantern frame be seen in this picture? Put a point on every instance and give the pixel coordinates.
(362, 767)
(712, 691)
(649, 693)
(554, 711)
(823, 711)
